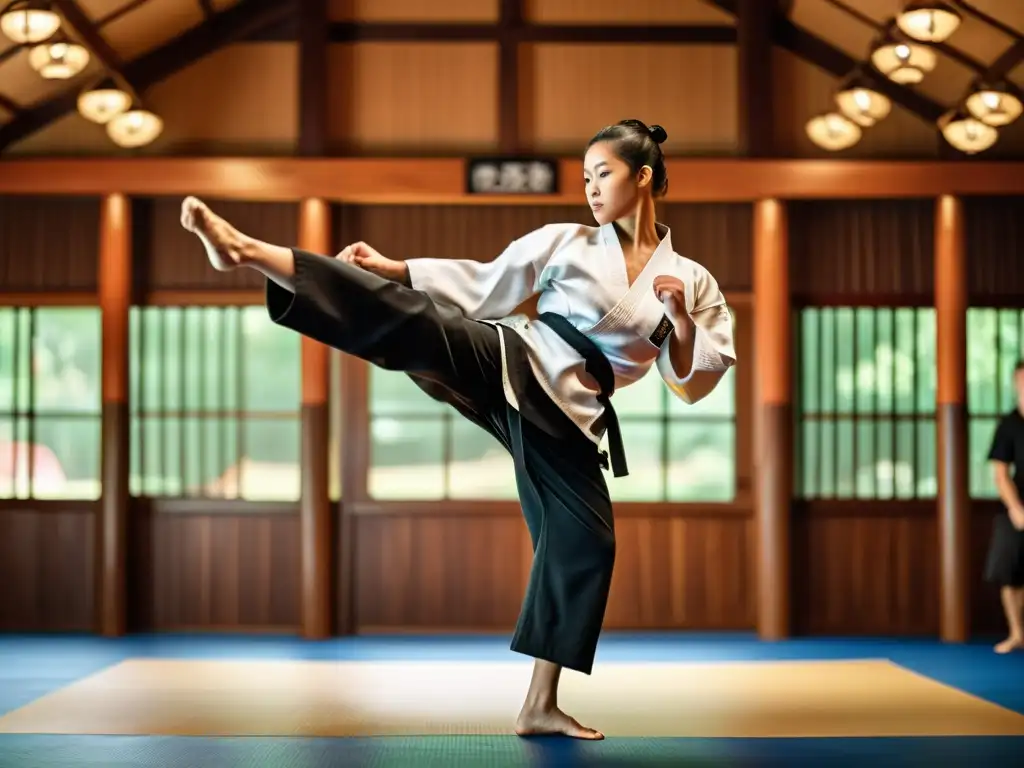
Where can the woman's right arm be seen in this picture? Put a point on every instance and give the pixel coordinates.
(492, 289)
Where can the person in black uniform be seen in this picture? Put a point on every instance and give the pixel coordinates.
(1005, 562)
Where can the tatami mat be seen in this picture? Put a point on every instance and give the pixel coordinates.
(324, 698)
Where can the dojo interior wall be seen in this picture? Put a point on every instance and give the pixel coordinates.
(858, 565)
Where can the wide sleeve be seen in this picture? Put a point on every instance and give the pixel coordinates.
(713, 348)
(490, 290)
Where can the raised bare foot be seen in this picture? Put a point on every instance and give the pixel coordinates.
(225, 245)
(552, 722)
(1010, 644)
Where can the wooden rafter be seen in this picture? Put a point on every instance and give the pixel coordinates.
(90, 35)
(236, 23)
(838, 63)
(1006, 63)
(9, 105)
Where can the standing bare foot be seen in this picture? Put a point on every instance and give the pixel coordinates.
(225, 246)
(1010, 644)
(537, 722)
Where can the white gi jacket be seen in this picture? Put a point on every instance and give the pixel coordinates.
(580, 273)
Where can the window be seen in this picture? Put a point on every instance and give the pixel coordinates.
(422, 449)
(676, 452)
(995, 342)
(866, 394)
(50, 404)
(215, 399)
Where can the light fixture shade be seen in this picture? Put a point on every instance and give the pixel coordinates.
(58, 60)
(862, 103)
(135, 128)
(966, 132)
(903, 62)
(103, 104)
(929, 22)
(833, 131)
(994, 105)
(27, 22)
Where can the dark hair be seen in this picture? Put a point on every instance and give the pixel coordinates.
(637, 145)
(1020, 366)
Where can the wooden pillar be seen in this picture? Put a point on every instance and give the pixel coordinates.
(316, 533)
(115, 265)
(756, 117)
(951, 413)
(774, 415)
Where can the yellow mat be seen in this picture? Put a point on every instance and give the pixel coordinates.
(317, 698)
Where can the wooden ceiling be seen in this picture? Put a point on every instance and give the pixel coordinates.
(141, 42)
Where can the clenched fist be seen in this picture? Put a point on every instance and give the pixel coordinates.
(362, 255)
(672, 294)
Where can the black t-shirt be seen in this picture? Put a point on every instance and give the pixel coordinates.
(1008, 446)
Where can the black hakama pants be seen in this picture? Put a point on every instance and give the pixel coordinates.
(458, 361)
(1004, 563)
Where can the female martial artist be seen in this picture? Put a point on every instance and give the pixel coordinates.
(614, 299)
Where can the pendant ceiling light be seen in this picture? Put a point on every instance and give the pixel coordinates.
(135, 128)
(966, 132)
(860, 101)
(58, 59)
(833, 131)
(902, 61)
(995, 105)
(27, 22)
(929, 22)
(103, 104)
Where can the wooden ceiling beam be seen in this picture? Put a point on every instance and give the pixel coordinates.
(838, 63)
(383, 32)
(1007, 62)
(232, 25)
(9, 105)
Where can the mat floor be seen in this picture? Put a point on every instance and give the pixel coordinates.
(871, 690)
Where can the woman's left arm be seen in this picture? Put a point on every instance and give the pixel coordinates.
(700, 349)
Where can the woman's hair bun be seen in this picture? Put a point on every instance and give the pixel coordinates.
(658, 134)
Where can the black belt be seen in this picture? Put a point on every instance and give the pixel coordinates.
(597, 365)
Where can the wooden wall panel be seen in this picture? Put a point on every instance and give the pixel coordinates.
(423, 571)
(716, 235)
(413, 98)
(683, 573)
(241, 100)
(865, 568)
(559, 112)
(438, 572)
(167, 258)
(217, 570)
(995, 241)
(49, 243)
(46, 566)
(447, 231)
(397, 11)
(650, 12)
(802, 91)
(869, 251)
